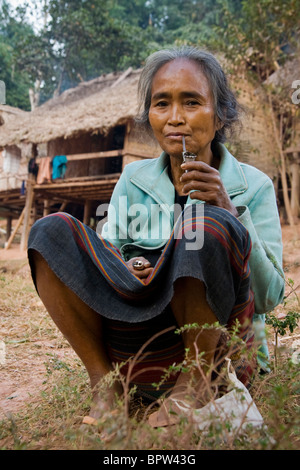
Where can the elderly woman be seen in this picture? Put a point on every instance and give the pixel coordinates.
(216, 260)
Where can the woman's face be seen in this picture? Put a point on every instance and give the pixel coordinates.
(182, 105)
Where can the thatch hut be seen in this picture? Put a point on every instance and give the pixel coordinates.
(92, 125)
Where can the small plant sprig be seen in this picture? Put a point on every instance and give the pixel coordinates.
(290, 283)
(290, 320)
(281, 325)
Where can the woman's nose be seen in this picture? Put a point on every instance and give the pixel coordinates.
(176, 116)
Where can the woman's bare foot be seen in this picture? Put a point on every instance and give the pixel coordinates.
(103, 402)
(189, 393)
(167, 415)
(102, 409)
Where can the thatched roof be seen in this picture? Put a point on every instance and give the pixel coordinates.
(286, 75)
(10, 110)
(92, 106)
(9, 113)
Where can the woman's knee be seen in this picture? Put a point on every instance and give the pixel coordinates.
(204, 225)
(50, 226)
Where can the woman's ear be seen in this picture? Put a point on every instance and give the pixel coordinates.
(219, 124)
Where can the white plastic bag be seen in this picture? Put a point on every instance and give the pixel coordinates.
(236, 409)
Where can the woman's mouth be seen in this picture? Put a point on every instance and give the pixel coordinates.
(175, 136)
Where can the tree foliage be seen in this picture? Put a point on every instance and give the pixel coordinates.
(17, 82)
(260, 34)
(82, 39)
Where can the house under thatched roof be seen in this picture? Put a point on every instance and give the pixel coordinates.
(92, 106)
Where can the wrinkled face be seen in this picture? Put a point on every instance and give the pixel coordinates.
(182, 104)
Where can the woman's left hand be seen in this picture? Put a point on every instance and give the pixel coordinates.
(207, 184)
(144, 271)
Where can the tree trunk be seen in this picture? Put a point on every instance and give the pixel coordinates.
(34, 95)
(283, 169)
(295, 187)
(27, 213)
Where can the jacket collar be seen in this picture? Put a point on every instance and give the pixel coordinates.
(156, 182)
(231, 172)
(153, 178)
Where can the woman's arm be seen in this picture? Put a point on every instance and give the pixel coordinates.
(261, 219)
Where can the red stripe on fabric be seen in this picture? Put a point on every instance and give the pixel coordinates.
(215, 228)
(86, 243)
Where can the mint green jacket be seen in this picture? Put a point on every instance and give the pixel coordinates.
(251, 191)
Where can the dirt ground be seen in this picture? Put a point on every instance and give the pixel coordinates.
(23, 365)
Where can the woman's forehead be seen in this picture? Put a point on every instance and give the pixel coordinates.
(181, 73)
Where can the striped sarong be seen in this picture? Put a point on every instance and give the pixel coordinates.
(133, 310)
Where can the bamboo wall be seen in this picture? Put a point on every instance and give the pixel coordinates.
(255, 144)
(12, 175)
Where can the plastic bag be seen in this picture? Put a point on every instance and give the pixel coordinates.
(236, 409)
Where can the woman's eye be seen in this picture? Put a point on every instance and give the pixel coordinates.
(192, 103)
(161, 104)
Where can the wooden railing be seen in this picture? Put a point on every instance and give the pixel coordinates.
(104, 154)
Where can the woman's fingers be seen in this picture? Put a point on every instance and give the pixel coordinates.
(206, 184)
(140, 267)
(143, 274)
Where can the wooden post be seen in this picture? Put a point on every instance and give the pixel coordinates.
(87, 212)
(63, 206)
(27, 215)
(46, 210)
(294, 167)
(8, 226)
(126, 142)
(20, 220)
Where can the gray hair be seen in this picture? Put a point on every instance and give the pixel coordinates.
(227, 109)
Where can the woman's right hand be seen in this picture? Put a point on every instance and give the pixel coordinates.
(140, 273)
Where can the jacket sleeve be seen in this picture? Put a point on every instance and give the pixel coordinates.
(261, 219)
